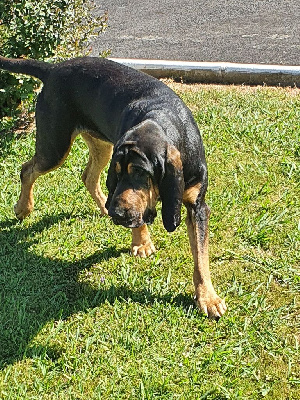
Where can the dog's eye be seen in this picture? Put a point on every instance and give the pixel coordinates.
(139, 171)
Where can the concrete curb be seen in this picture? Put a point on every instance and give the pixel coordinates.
(214, 72)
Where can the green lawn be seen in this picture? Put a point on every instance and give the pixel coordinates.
(82, 319)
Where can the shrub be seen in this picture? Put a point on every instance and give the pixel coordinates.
(45, 30)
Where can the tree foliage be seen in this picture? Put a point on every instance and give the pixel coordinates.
(44, 30)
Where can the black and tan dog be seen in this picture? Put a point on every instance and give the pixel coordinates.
(157, 153)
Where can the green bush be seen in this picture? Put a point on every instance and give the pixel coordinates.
(45, 30)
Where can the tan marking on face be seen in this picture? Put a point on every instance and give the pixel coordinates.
(153, 194)
(134, 199)
(190, 195)
(118, 168)
(139, 200)
(130, 168)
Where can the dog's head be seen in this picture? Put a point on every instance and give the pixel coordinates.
(144, 168)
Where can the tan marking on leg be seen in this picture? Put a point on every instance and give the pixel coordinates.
(141, 245)
(31, 170)
(25, 203)
(173, 156)
(100, 153)
(206, 298)
(190, 195)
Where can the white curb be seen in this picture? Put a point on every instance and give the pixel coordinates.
(214, 72)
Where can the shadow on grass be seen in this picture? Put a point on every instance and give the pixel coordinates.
(36, 289)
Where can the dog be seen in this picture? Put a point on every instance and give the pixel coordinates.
(153, 142)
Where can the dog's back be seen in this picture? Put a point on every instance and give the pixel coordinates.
(106, 88)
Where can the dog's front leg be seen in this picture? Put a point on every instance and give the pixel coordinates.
(206, 298)
(99, 154)
(141, 245)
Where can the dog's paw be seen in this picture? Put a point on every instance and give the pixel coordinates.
(143, 250)
(103, 212)
(210, 303)
(22, 211)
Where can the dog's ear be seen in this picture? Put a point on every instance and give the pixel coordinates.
(171, 189)
(111, 182)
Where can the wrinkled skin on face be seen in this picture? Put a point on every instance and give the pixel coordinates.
(145, 166)
(133, 201)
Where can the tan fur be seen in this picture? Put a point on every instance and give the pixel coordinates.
(206, 298)
(190, 195)
(25, 203)
(152, 194)
(134, 199)
(130, 168)
(30, 173)
(118, 168)
(173, 156)
(139, 199)
(141, 245)
(99, 154)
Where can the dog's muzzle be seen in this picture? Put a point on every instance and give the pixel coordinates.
(130, 218)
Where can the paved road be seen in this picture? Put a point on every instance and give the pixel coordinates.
(243, 31)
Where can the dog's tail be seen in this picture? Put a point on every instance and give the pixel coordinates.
(38, 69)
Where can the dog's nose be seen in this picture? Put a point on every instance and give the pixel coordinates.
(118, 215)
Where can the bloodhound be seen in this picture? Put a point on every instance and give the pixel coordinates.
(152, 138)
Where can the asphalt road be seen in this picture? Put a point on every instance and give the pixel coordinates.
(242, 31)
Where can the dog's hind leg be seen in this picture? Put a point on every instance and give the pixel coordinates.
(31, 170)
(99, 155)
(53, 142)
(29, 174)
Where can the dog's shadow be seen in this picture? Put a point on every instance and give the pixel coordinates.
(35, 289)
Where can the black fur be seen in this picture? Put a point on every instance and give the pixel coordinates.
(135, 112)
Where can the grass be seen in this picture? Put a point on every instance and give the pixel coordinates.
(82, 319)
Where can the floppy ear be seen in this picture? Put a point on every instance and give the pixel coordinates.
(171, 189)
(111, 182)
